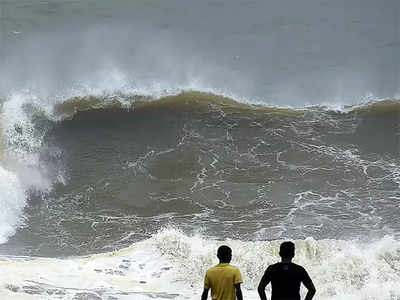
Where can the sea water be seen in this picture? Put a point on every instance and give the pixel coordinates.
(137, 137)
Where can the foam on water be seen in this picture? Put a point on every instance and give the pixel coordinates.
(340, 269)
(20, 169)
(172, 265)
(12, 201)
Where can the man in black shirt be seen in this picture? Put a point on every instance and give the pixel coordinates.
(286, 277)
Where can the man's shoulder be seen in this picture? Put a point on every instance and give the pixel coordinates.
(233, 267)
(300, 268)
(224, 266)
(278, 265)
(212, 268)
(274, 266)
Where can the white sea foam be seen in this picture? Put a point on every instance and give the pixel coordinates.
(172, 265)
(12, 201)
(340, 269)
(20, 168)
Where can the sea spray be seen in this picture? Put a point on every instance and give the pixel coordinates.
(340, 269)
(12, 202)
(20, 167)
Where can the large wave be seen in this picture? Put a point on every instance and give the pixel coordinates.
(27, 120)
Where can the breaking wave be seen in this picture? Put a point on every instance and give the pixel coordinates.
(27, 121)
(171, 265)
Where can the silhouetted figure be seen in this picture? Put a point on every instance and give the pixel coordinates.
(223, 279)
(286, 277)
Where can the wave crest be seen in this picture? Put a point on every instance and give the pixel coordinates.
(201, 100)
(188, 100)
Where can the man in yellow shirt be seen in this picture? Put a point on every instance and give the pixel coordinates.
(223, 279)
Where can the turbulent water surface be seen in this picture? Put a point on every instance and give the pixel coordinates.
(137, 137)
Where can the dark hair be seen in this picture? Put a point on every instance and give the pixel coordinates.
(287, 250)
(224, 253)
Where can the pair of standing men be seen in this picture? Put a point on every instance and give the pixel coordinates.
(224, 280)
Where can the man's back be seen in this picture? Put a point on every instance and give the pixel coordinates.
(222, 279)
(286, 278)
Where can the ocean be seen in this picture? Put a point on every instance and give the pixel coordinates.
(138, 136)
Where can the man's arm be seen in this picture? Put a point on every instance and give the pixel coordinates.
(309, 285)
(239, 294)
(204, 295)
(263, 283)
(311, 290)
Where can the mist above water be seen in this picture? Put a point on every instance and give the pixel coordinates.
(275, 52)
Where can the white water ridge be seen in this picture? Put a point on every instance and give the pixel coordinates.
(171, 265)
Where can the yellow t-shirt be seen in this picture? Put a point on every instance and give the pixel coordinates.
(221, 279)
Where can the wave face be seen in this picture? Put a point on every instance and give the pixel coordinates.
(109, 172)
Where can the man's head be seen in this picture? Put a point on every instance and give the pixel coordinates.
(287, 250)
(224, 254)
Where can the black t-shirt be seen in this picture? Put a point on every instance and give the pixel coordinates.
(286, 279)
